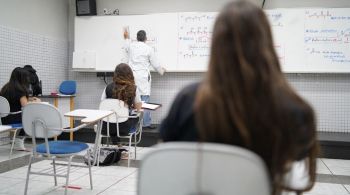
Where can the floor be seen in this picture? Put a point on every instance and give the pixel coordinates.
(333, 179)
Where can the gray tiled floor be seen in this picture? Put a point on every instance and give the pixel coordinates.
(5, 152)
(106, 180)
(122, 180)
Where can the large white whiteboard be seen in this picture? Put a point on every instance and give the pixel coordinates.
(306, 40)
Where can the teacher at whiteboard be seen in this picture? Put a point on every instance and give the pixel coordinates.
(140, 58)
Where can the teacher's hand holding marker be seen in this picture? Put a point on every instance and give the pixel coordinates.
(140, 57)
(126, 33)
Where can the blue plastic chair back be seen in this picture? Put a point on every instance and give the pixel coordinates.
(68, 87)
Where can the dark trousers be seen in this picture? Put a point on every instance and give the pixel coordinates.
(124, 129)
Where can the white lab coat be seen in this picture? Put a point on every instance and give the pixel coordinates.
(140, 58)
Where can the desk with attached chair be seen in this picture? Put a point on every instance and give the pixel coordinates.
(41, 120)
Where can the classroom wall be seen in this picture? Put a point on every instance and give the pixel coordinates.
(34, 32)
(328, 93)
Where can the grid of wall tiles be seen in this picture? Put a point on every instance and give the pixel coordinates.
(47, 55)
(329, 94)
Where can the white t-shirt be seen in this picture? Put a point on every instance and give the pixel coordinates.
(136, 100)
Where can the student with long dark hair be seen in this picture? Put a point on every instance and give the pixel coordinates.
(122, 88)
(245, 99)
(16, 93)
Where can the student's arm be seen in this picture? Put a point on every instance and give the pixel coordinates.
(137, 101)
(154, 62)
(24, 100)
(103, 96)
(138, 106)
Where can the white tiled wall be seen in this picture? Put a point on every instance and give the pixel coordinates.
(329, 94)
(47, 55)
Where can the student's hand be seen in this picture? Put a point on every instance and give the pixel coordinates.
(35, 99)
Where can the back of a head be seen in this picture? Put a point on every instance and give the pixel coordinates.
(123, 72)
(19, 80)
(242, 45)
(243, 67)
(141, 36)
(29, 68)
(124, 84)
(245, 98)
(20, 75)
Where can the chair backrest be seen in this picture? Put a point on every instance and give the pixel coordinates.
(68, 87)
(202, 168)
(47, 114)
(4, 107)
(118, 106)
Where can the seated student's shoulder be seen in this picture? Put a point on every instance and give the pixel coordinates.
(190, 90)
(184, 102)
(296, 106)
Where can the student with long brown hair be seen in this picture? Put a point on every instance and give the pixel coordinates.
(245, 99)
(122, 88)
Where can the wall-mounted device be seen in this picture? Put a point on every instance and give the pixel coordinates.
(86, 7)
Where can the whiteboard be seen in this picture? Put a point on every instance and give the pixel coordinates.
(312, 40)
(306, 40)
(84, 60)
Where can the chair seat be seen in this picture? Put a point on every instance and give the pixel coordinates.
(16, 125)
(62, 147)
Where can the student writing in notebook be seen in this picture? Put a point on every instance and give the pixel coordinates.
(245, 99)
(16, 93)
(123, 88)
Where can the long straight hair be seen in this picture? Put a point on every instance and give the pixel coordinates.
(19, 82)
(124, 84)
(245, 99)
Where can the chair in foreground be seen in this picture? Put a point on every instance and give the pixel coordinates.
(42, 120)
(122, 115)
(5, 111)
(202, 169)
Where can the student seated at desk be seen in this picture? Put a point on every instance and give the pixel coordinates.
(122, 88)
(245, 99)
(16, 93)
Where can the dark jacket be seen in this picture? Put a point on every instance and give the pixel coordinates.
(34, 80)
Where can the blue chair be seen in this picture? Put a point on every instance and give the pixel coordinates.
(68, 87)
(5, 111)
(41, 120)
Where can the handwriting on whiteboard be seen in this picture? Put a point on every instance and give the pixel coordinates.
(194, 37)
(277, 24)
(327, 36)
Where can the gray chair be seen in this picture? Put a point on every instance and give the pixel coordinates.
(42, 120)
(189, 168)
(121, 114)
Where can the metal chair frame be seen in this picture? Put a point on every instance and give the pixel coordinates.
(137, 134)
(36, 123)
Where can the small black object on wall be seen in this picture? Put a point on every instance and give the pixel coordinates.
(86, 7)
